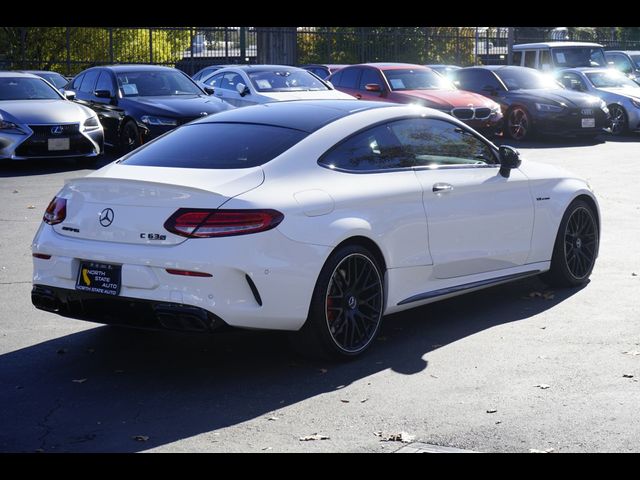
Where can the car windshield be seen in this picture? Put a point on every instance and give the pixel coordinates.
(416, 79)
(523, 78)
(636, 60)
(159, 83)
(286, 81)
(216, 146)
(16, 88)
(578, 57)
(610, 79)
(55, 79)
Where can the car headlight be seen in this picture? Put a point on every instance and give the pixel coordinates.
(153, 120)
(635, 103)
(91, 123)
(10, 127)
(545, 107)
(495, 109)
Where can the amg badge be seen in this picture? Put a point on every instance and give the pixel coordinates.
(153, 236)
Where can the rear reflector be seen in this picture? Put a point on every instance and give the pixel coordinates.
(56, 212)
(187, 273)
(43, 256)
(207, 223)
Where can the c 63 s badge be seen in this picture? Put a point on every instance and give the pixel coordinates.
(153, 236)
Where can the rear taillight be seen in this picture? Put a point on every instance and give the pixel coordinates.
(207, 223)
(56, 212)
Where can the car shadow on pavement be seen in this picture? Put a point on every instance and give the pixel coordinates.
(96, 390)
(27, 168)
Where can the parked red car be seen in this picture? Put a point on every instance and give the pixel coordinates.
(406, 83)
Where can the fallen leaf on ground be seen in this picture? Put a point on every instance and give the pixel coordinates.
(344, 400)
(378, 433)
(31, 207)
(364, 400)
(79, 380)
(403, 437)
(634, 274)
(543, 328)
(627, 375)
(542, 386)
(15, 191)
(632, 353)
(267, 448)
(535, 450)
(434, 376)
(315, 436)
(272, 419)
(140, 438)
(492, 410)
(62, 351)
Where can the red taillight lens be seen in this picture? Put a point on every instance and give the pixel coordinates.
(187, 273)
(56, 212)
(207, 223)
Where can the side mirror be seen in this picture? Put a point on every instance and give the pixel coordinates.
(69, 94)
(242, 89)
(209, 90)
(372, 87)
(102, 94)
(509, 158)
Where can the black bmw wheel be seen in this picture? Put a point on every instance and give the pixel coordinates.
(618, 120)
(518, 123)
(346, 308)
(129, 137)
(576, 247)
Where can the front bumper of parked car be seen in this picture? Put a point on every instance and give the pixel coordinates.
(33, 141)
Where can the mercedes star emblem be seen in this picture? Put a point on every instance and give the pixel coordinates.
(106, 217)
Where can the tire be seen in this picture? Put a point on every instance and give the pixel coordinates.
(129, 137)
(619, 120)
(576, 247)
(518, 125)
(346, 307)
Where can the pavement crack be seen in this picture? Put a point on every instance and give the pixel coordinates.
(45, 424)
(14, 283)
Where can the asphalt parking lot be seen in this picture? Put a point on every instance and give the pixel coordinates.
(509, 369)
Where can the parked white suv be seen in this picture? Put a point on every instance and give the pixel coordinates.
(549, 56)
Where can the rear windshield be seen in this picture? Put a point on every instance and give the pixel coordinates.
(216, 145)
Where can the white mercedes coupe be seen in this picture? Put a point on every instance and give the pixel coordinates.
(316, 217)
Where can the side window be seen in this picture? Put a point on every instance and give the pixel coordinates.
(530, 58)
(545, 60)
(369, 76)
(231, 79)
(517, 58)
(215, 81)
(105, 82)
(372, 150)
(572, 81)
(476, 80)
(336, 79)
(89, 81)
(75, 85)
(622, 63)
(350, 78)
(429, 142)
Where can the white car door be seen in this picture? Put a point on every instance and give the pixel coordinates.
(478, 220)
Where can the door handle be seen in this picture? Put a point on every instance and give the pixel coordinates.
(358, 96)
(442, 187)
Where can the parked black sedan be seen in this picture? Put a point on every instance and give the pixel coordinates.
(136, 103)
(535, 103)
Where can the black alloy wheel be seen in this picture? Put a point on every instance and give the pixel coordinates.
(619, 123)
(518, 123)
(576, 247)
(346, 307)
(129, 137)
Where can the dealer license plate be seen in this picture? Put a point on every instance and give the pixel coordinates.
(588, 123)
(59, 144)
(99, 278)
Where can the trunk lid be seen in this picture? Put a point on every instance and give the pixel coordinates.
(129, 204)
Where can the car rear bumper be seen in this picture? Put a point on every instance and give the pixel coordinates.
(283, 274)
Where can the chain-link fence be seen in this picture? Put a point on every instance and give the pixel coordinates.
(72, 49)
